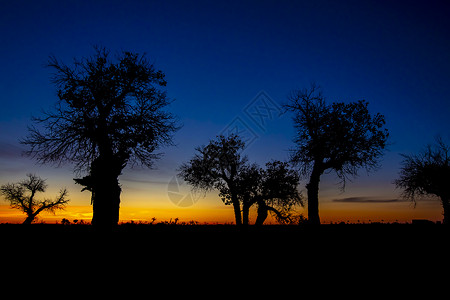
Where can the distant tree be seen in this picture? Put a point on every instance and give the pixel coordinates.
(427, 174)
(278, 192)
(21, 196)
(221, 166)
(338, 137)
(248, 183)
(273, 190)
(110, 113)
(216, 166)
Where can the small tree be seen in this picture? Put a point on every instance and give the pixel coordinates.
(273, 190)
(427, 174)
(21, 196)
(340, 137)
(216, 166)
(110, 113)
(278, 192)
(220, 166)
(247, 187)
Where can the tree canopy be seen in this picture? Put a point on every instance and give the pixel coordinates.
(221, 166)
(427, 174)
(105, 105)
(340, 137)
(111, 111)
(216, 166)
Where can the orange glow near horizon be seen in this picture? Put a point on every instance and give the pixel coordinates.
(143, 202)
(401, 212)
(330, 212)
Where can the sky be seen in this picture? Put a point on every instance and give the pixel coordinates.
(230, 65)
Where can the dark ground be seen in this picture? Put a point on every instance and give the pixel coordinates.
(273, 234)
(392, 250)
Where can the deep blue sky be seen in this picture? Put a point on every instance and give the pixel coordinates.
(218, 55)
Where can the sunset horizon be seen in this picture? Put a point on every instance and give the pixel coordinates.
(188, 75)
(332, 212)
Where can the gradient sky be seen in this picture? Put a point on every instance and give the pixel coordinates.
(225, 59)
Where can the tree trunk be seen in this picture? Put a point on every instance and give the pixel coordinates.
(106, 203)
(313, 196)
(262, 213)
(245, 212)
(29, 219)
(446, 207)
(237, 210)
(104, 184)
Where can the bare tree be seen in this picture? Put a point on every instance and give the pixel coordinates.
(110, 113)
(428, 174)
(21, 196)
(340, 137)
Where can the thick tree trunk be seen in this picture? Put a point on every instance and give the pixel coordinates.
(262, 213)
(29, 219)
(106, 203)
(313, 196)
(104, 184)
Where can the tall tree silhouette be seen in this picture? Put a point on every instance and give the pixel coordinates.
(216, 166)
(342, 137)
(22, 196)
(110, 112)
(428, 174)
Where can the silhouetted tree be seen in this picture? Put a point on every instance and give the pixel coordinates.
(216, 166)
(110, 113)
(21, 196)
(273, 189)
(278, 192)
(338, 136)
(220, 166)
(428, 174)
(248, 183)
